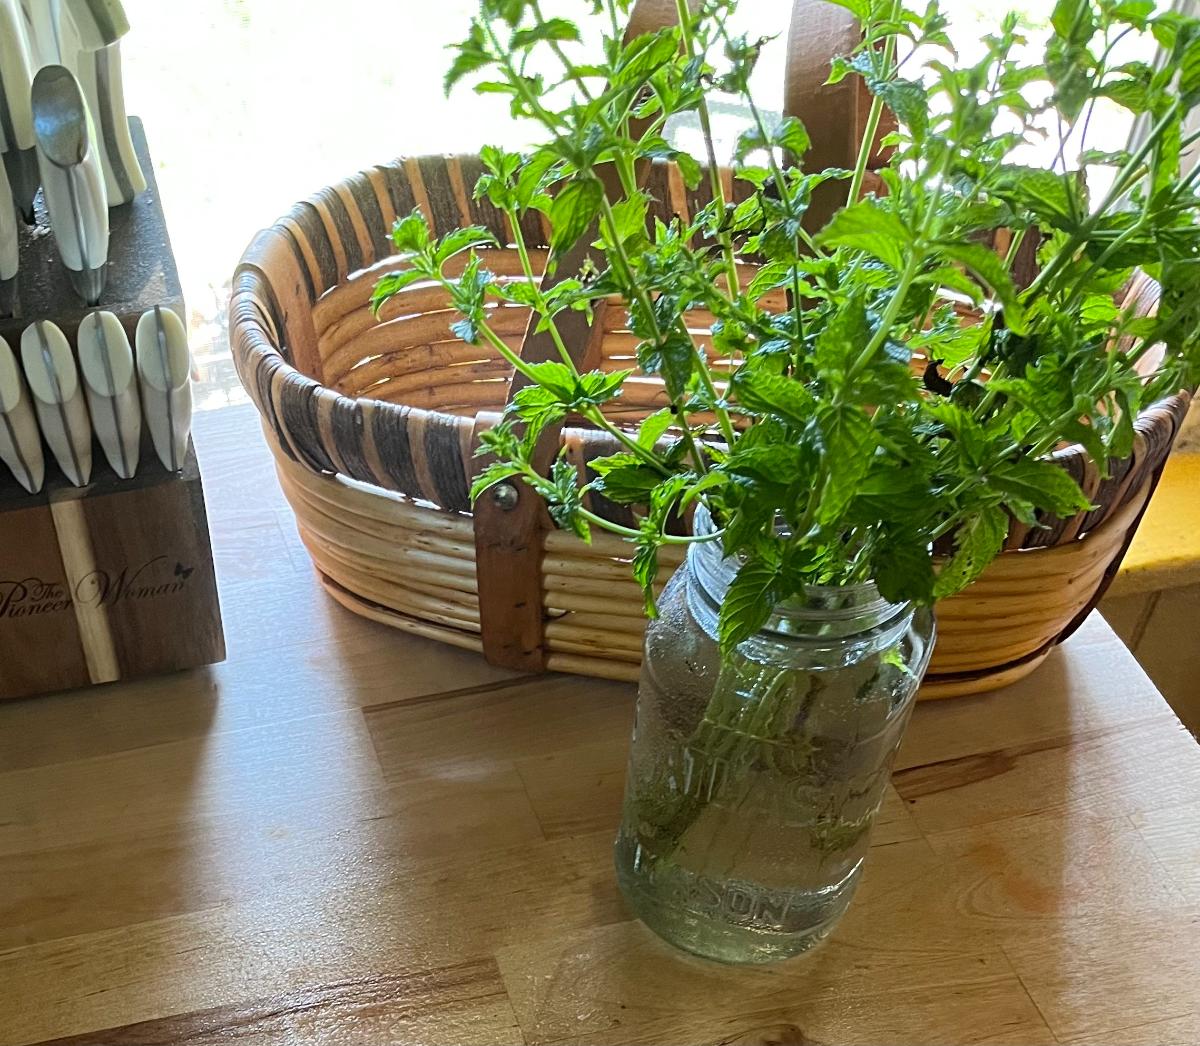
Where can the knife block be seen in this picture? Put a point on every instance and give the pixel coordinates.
(109, 581)
(113, 580)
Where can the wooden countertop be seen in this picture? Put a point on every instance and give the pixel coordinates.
(347, 836)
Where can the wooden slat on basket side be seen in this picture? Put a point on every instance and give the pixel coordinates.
(325, 432)
(1156, 429)
(310, 234)
(364, 201)
(254, 354)
(482, 211)
(440, 193)
(284, 289)
(403, 199)
(347, 250)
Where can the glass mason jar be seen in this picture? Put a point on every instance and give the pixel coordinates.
(753, 784)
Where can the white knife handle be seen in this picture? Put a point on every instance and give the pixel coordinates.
(47, 30)
(9, 247)
(16, 78)
(69, 161)
(20, 441)
(78, 210)
(97, 23)
(107, 364)
(58, 399)
(100, 77)
(164, 372)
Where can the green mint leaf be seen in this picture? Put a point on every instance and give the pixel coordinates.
(630, 218)
(496, 472)
(909, 101)
(1135, 12)
(903, 567)
(566, 500)
(460, 240)
(537, 407)
(689, 169)
(987, 266)
(843, 338)
(392, 284)
(1042, 483)
(976, 543)
(556, 378)
(1053, 198)
(597, 387)
(653, 427)
(787, 399)
(519, 292)
(472, 55)
(1133, 94)
(868, 227)
(468, 293)
(643, 56)
(961, 426)
(573, 211)
(627, 481)
(1073, 20)
(861, 9)
(849, 442)
(410, 234)
(1189, 73)
(557, 29)
(645, 565)
(749, 602)
(792, 137)
(673, 358)
(774, 275)
(501, 441)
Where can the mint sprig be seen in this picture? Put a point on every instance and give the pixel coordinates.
(821, 456)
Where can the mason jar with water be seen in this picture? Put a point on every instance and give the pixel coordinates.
(754, 780)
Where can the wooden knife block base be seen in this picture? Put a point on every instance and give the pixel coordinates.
(109, 581)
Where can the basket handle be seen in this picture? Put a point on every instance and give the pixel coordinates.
(835, 115)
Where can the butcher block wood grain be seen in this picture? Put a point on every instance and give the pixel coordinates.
(346, 835)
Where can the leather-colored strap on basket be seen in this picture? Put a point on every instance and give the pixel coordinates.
(835, 115)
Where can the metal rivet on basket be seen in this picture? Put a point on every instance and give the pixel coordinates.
(505, 496)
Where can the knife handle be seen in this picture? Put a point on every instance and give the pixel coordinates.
(106, 362)
(100, 77)
(10, 256)
(59, 401)
(20, 441)
(164, 373)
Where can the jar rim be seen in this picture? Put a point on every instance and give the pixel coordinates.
(835, 603)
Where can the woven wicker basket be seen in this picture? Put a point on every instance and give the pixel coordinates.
(374, 424)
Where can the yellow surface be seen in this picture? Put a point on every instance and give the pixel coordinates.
(1166, 551)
